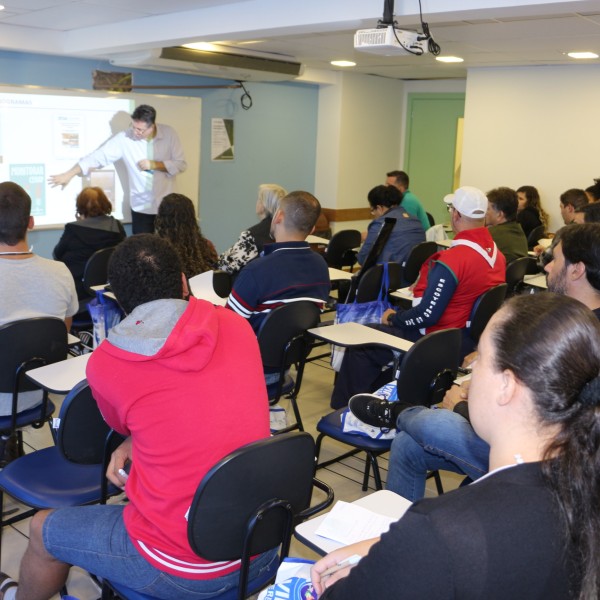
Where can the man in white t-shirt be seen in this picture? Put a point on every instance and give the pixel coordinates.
(32, 286)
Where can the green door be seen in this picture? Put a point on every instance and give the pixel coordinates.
(431, 135)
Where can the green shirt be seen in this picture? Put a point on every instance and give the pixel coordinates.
(412, 205)
(510, 239)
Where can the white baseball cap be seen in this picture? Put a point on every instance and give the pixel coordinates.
(468, 201)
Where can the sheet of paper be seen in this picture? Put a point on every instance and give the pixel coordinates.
(348, 523)
(202, 287)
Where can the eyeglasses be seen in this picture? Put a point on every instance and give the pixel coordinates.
(450, 208)
(139, 130)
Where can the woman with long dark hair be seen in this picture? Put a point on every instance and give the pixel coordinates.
(176, 221)
(531, 527)
(530, 212)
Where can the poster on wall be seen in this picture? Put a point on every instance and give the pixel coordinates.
(221, 144)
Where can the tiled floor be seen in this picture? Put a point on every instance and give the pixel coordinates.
(345, 478)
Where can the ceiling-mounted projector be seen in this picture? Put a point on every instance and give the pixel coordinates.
(388, 41)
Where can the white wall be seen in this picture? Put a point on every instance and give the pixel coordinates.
(359, 127)
(532, 126)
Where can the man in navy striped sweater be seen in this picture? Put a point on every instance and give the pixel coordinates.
(288, 270)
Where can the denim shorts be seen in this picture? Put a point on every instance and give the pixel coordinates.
(94, 538)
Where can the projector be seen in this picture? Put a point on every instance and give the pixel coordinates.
(383, 41)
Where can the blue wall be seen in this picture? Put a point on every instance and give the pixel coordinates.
(275, 141)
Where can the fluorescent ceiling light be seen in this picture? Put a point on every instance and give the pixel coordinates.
(449, 59)
(582, 55)
(206, 46)
(343, 63)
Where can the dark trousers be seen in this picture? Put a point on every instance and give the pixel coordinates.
(142, 223)
(364, 368)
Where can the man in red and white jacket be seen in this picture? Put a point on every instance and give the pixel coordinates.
(449, 284)
(163, 379)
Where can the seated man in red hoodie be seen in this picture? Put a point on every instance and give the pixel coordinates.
(449, 284)
(158, 379)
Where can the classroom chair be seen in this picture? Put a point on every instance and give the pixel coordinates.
(426, 373)
(69, 473)
(341, 250)
(248, 503)
(515, 272)
(283, 342)
(24, 345)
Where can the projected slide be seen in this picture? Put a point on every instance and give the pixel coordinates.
(44, 134)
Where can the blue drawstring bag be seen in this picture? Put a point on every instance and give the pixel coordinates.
(105, 313)
(292, 581)
(361, 312)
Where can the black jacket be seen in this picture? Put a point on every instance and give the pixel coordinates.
(81, 239)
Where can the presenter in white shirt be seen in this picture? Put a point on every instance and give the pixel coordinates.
(153, 156)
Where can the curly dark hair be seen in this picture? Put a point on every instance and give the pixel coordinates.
(176, 221)
(552, 345)
(144, 268)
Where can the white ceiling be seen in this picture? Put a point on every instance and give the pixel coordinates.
(497, 33)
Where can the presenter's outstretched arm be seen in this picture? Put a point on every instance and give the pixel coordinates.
(63, 179)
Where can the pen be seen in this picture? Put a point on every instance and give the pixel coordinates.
(348, 562)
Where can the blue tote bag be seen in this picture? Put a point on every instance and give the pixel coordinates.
(361, 312)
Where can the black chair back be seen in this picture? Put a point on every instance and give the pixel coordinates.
(418, 255)
(431, 219)
(222, 283)
(429, 367)
(483, 309)
(281, 337)
(370, 283)
(340, 250)
(515, 271)
(534, 235)
(41, 338)
(96, 269)
(250, 501)
(283, 341)
(277, 468)
(82, 431)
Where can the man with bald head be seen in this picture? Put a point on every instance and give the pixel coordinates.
(288, 270)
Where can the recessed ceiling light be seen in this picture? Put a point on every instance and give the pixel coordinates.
(343, 63)
(206, 46)
(1, 7)
(449, 59)
(582, 55)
